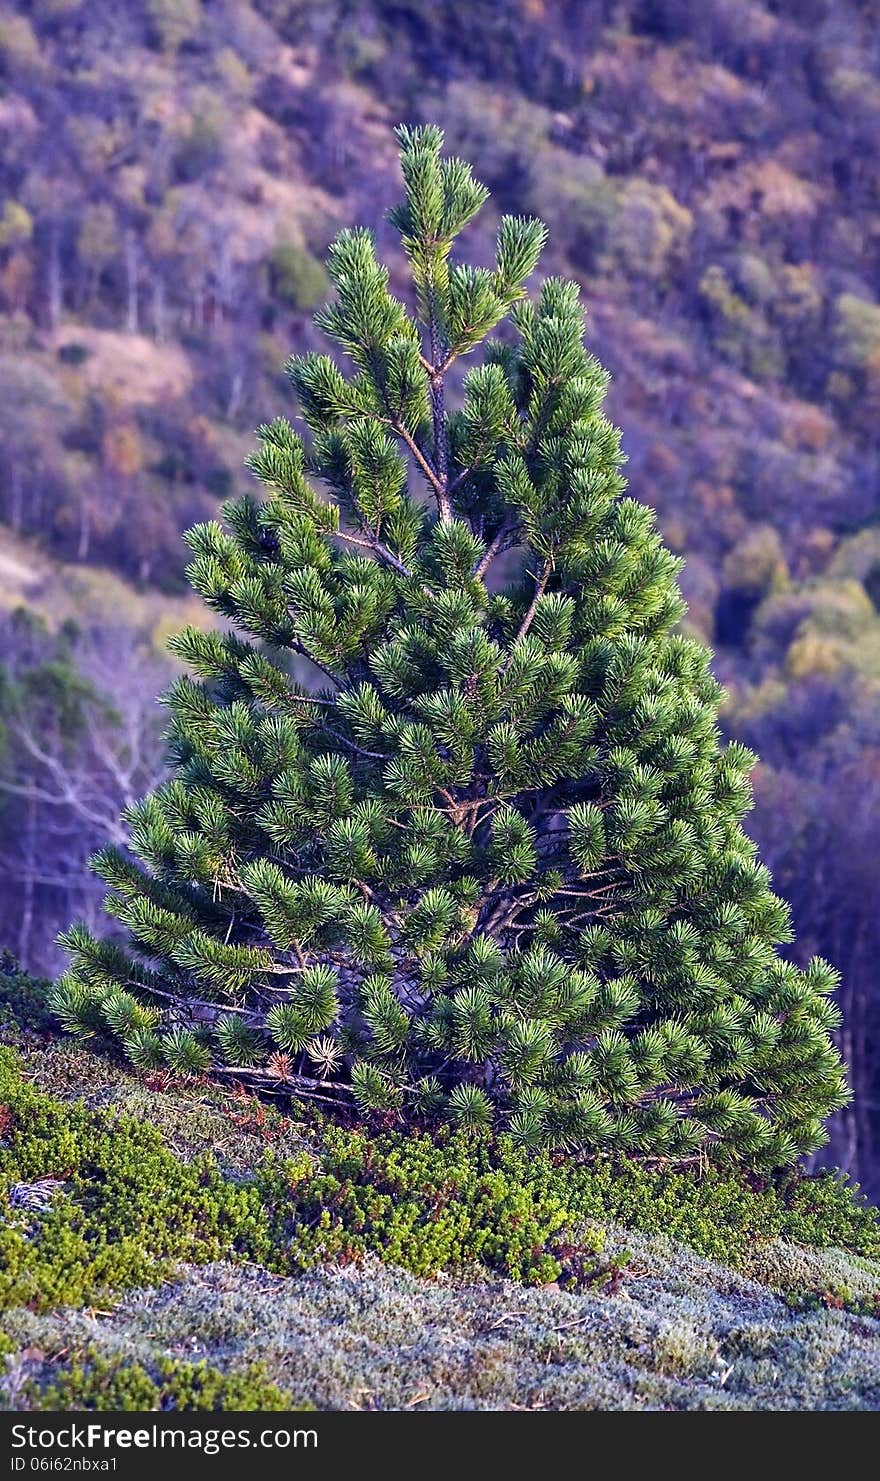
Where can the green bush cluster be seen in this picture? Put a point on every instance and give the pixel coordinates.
(22, 1001)
(835, 1298)
(121, 1207)
(721, 1215)
(92, 1381)
(429, 1203)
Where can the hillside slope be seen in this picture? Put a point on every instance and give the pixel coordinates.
(171, 172)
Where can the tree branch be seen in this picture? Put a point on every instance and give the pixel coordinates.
(436, 483)
(378, 548)
(498, 545)
(530, 613)
(373, 755)
(533, 606)
(299, 647)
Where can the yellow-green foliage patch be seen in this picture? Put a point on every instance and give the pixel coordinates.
(97, 1201)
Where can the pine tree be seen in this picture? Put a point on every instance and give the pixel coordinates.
(450, 831)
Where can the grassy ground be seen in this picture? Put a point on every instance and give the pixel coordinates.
(648, 1323)
(679, 1333)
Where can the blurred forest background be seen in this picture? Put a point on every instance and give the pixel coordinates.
(171, 172)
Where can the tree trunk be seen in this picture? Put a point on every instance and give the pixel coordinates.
(131, 278)
(55, 287)
(234, 399)
(849, 1148)
(85, 530)
(16, 506)
(30, 860)
(159, 315)
(860, 968)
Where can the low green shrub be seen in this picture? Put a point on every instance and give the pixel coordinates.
(429, 1203)
(834, 1298)
(484, 1198)
(23, 1001)
(92, 1381)
(720, 1214)
(98, 1202)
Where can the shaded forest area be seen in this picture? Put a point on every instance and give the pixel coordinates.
(172, 172)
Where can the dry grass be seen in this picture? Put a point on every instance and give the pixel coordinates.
(128, 369)
(91, 596)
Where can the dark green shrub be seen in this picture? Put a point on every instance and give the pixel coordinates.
(24, 1000)
(98, 1202)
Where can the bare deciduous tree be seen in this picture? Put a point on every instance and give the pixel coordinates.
(73, 761)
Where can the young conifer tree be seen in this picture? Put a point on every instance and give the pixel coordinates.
(489, 863)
